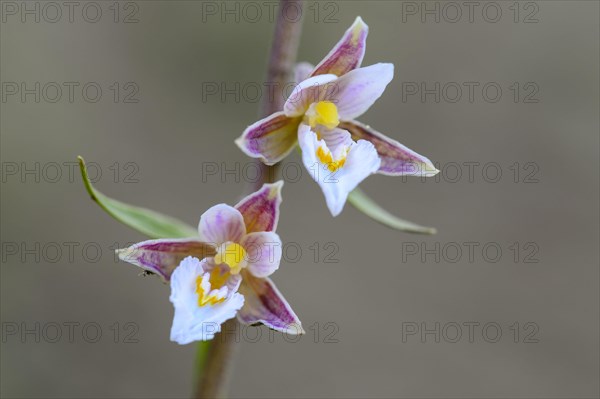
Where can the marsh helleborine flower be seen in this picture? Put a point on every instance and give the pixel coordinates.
(225, 271)
(320, 116)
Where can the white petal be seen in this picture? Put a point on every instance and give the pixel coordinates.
(362, 161)
(263, 250)
(309, 91)
(357, 90)
(220, 224)
(192, 322)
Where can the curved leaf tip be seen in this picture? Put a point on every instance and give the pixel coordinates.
(148, 222)
(367, 206)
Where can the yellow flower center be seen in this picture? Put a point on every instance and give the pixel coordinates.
(323, 113)
(326, 158)
(217, 280)
(232, 254)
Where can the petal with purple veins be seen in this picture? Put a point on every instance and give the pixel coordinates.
(220, 224)
(261, 209)
(396, 159)
(265, 304)
(357, 90)
(263, 252)
(163, 255)
(270, 139)
(348, 53)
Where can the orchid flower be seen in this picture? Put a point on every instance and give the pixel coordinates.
(320, 116)
(224, 272)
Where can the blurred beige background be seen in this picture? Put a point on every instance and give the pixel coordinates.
(378, 289)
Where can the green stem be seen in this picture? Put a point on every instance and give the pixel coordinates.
(214, 365)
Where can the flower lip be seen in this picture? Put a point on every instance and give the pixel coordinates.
(210, 289)
(199, 308)
(326, 158)
(361, 161)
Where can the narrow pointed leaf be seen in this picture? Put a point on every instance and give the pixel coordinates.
(146, 221)
(367, 206)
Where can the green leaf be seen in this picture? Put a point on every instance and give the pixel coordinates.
(367, 206)
(146, 221)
